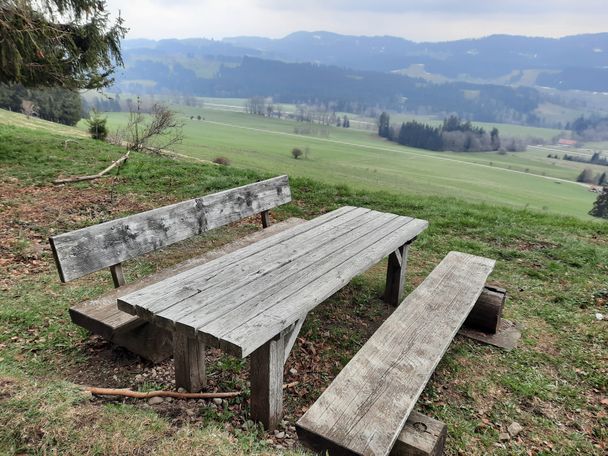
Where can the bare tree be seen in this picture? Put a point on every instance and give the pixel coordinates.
(160, 130)
(29, 108)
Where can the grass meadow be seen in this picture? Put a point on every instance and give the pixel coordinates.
(555, 384)
(362, 161)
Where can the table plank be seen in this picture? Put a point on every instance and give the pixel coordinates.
(242, 335)
(210, 286)
(368, 403)
(203, 309)
(143, 297)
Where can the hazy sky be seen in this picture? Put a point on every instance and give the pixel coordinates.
(419, 20)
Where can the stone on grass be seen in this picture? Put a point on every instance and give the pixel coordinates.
(155, 400)
(217, 401)
(514, 428)
(504, 436)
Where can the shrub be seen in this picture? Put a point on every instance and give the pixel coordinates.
(221, 161)
(296, 153)
(97, 126)
(600, 207)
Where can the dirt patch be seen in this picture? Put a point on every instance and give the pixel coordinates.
(7, 388)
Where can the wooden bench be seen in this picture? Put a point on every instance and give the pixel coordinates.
(109, 244)
(365, 408)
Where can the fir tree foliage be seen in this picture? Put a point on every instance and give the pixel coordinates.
(72, 44)
(600, 207)
(97, 125)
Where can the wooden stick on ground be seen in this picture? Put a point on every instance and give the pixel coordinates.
(140, 395)
(114, 164)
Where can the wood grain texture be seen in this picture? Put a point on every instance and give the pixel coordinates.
(228, 302)
(189, 360)
(101, 315)
(276, 279)
(90, 249)
(118, 277)
(311, 289)
(156, 296)
(421, 436)
(487, 312)
(191, 300)
(395, 275)
(267, 383)
(366, 406)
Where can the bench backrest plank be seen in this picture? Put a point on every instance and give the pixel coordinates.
(90, 249)
(366, 406)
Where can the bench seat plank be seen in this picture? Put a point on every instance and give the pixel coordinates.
(366, 406)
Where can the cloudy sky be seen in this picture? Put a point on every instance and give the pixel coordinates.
(419, 20)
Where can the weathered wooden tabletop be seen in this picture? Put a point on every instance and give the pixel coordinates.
(242, 300)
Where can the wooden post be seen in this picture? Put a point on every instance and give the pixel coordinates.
(395, 275)
(265, 216)
(421, 436)
(117, 276)
(267, 383)
(487, 312)
(189, 359)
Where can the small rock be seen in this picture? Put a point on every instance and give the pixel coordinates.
(293, 371)
(168, 399)
(599, 316)
(155, 400)
(181, 390)
(515, 428)
(279, 434)
(217, 401)
(504, 436)
(291, 428)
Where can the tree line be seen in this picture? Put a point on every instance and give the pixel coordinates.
(592, 128)
(454, 134)
(52, 103)
(595, 159)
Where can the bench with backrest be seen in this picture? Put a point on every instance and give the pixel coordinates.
(364, 410)
(108, 245)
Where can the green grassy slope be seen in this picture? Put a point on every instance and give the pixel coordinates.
(363, 161)
(554, 268)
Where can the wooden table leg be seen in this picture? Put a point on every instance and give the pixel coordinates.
(267, 383)
(395, 275)
(189, 359)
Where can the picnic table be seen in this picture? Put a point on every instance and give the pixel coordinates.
(253, 301)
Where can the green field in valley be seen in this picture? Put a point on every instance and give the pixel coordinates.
(363, 161)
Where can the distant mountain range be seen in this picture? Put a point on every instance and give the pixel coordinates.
(559, 63)
(491, 78)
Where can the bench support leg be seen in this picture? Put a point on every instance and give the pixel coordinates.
(267, 383)
(189, 359)
(265, 216)
(395, 275)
